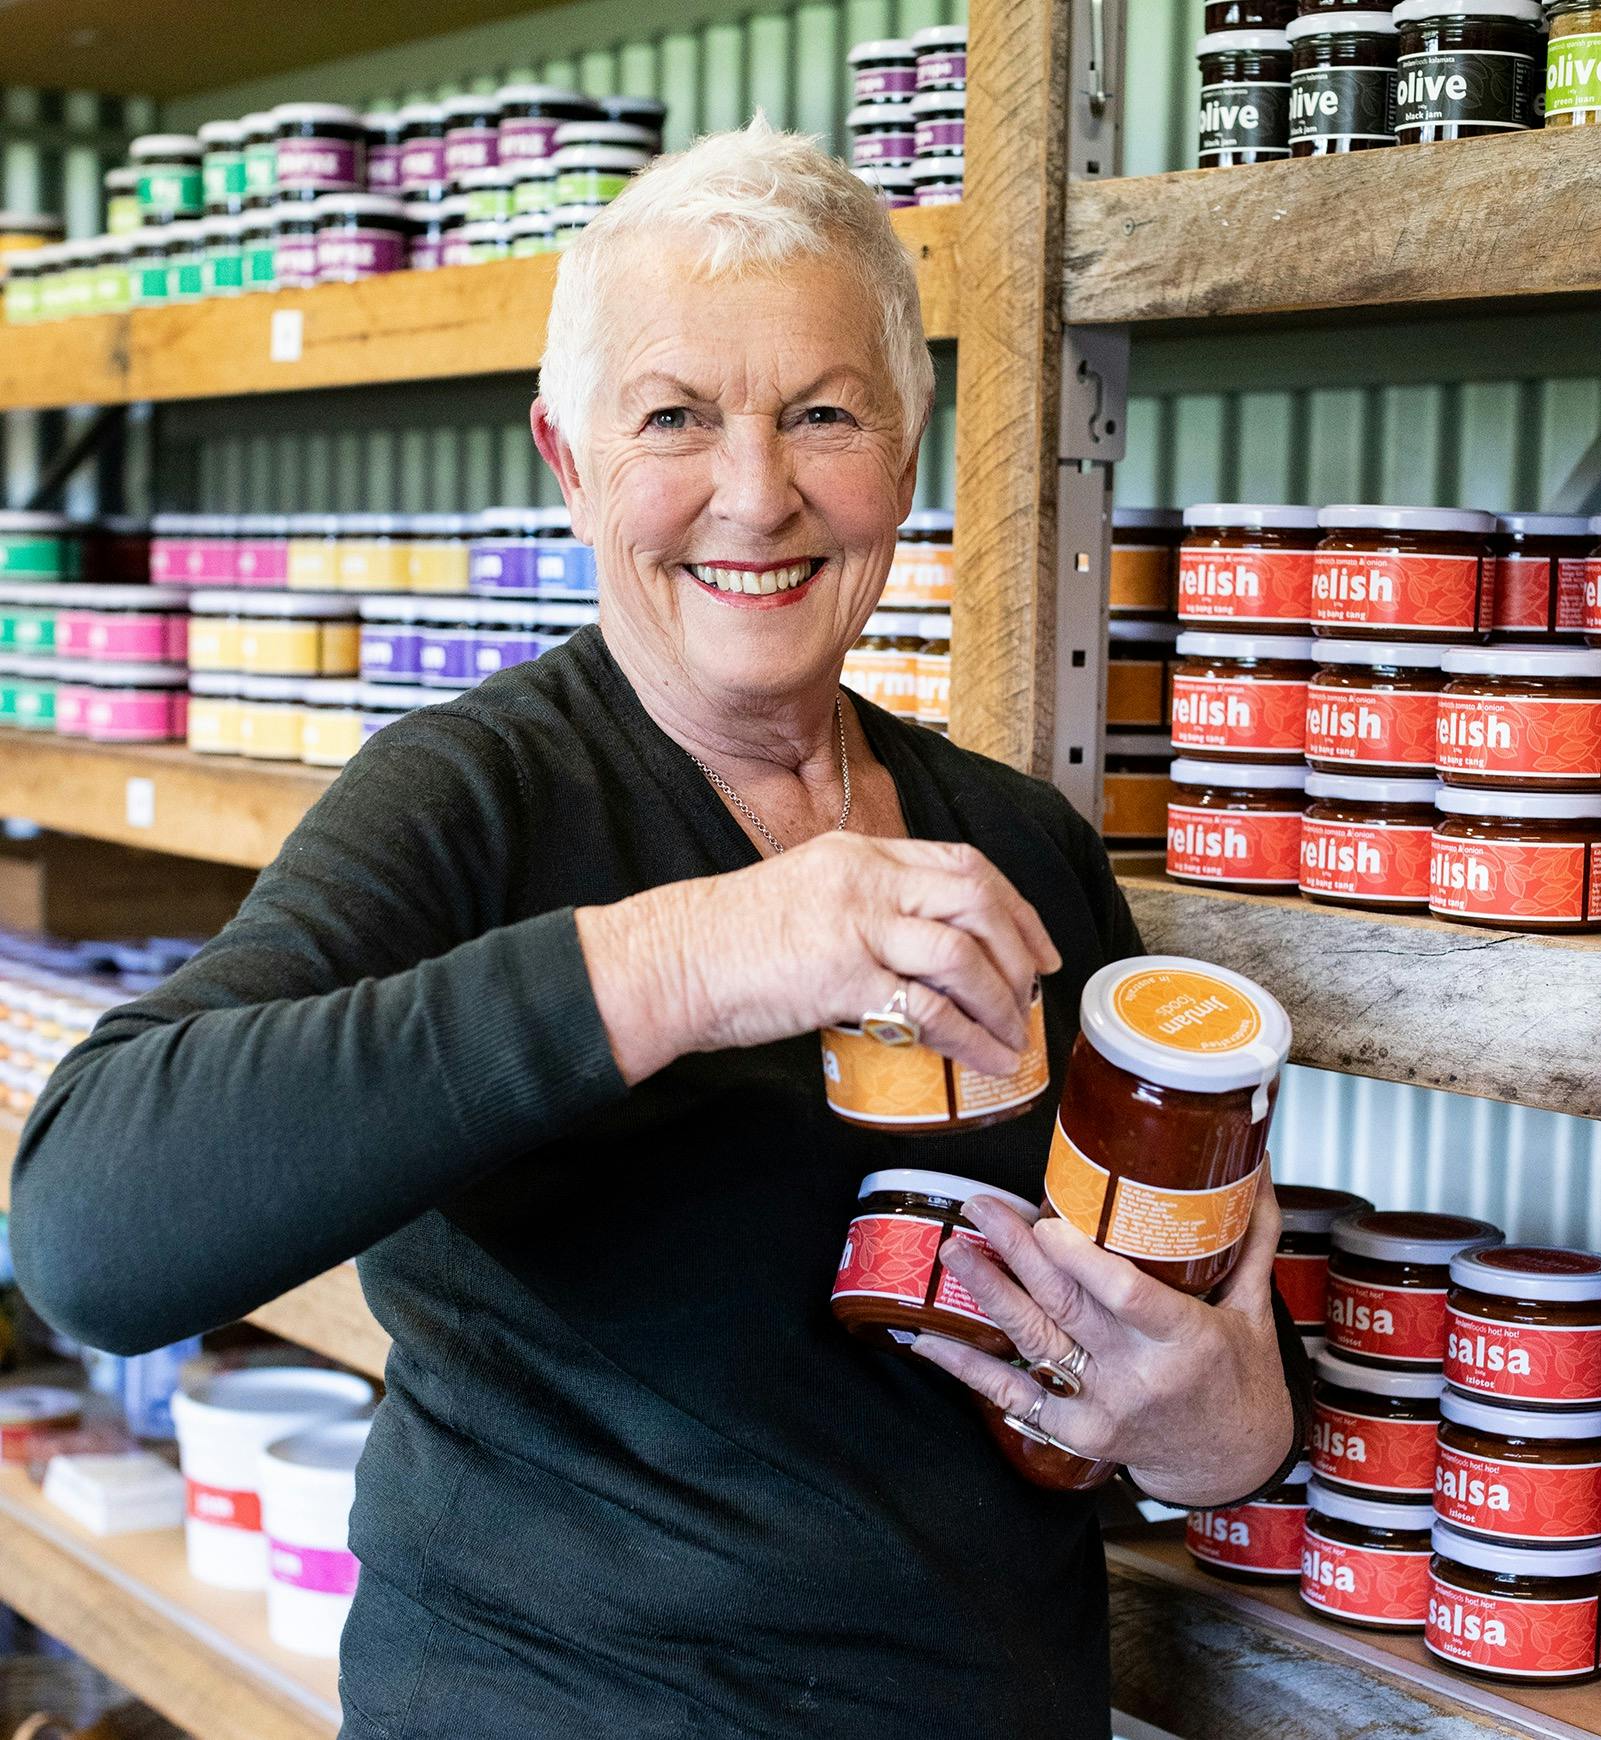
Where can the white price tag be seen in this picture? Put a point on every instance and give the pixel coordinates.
(288, 330)
(141, 803)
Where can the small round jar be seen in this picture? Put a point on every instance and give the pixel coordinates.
(1373, 1432)
(1245, 97)
(294, 245)
(1526, 861)
(934, 672)
(1145, 546)
(39, 546)
(594, 174)
(434, 225)
(533, 186)
(1301, 1263)
(422, 151)
(1388, 1276)
(122, 624)
(883, 135)
(505, 633)
(1342, 88)
(134, 703)
(891, 1286)
(330, 721)
(1468, 68)
(261, 552)
(170, 184)
(1572, 72)
(186, 262)
(486, 193)
(1519, 1474)
(121, 189)
(1523, 1325)
(1235, 826)
(936, 180)
(1368, 842)
(269, 718)
(297, 634)
(940, 120)
(261, 160)
(1372, 708)
(1039, 1460)
(258, 251)
(1259, 1541)
(1246, 566)
(385, 133)
(222, 169)
(1385, 573)
(1514, 1613)
(530, 115)
(391, 641)
(313, 553)
(213, 714)
(883, 71)
(360, 235)
(1521, 718)
(472, 132)
(1248, 14)
(1162, 1130)
(941, 51)
(223, 271)
(1240, 697)
(446, 632)
(1366, 1560)
(1540, 563)
(322, 148)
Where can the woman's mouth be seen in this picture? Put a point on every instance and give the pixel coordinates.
(756, 580)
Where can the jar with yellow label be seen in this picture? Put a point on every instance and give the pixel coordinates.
(214, 713)
(1163, 1125)
(313, 552)
(373, 555)
(438, 553)
(269, 718)
(330, 721)
(215, 626)
(298, 634)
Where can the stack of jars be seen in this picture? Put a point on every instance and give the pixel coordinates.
(1141, 633)
(902, 663)
(1391, 694)
(908, 125)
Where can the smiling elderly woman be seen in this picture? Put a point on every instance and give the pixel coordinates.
(525, 1014)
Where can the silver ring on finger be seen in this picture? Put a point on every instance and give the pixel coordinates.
(893, 1024)
(1065, 1374)
(1029, 1424)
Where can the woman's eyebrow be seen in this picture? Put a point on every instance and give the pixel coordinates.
(648, 386)
(839, 372)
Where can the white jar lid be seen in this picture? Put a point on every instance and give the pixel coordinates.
(291, 605)
(1523, 11)
(940, 36)
(882, 115)
(509, 94)
(388, 609)
(1196, 644)
(1514, 1559)
(939, 102)
(299, 114)
(1341, 24)
(1407, 1236)
(218, 684)
(1366, 517)
(506, 613)
(1404, 655)
(947, 1184)
(471, 103)
(490, 175)
(381, 120)
(1529, 1272)
(1501, 1421)
(1529, 806)
(1534, 525)
(952, 167)
(119, 597)
(367, 525)
(937, 625)
(1367, 1380)
(156, 147)
(929, 520)
(1237, 777)
(221, 133)
(1518, 661)
(1318, 1208)
(411, 113)
(331, 692)
(571, 157)
(1243, 41)
(567, 615)
(1375, 1513)
(270, 688)
(892, 623)
(287, 1390)
(358, 205)
(1255, 515)
(1372, 791)
(318, 1461)
(604, 133)
(885, 48)
(25, 520)
(457, 612)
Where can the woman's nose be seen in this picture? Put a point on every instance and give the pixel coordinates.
(755, 482)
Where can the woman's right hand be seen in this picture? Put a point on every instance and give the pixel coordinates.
(815, 938)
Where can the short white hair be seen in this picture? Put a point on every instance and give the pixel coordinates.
(753, 200)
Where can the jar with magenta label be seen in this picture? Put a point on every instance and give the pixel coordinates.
(1301, 1264)
(1259, 1541)
(294, 242)
(1164, 1116)
(1523, 1325)
(261, 554)
(1469, 68)
(1539, 575)
(1523, 718)
(1241, 697)
(472, 132)
(530, 115)
(422, 151)
(891, 1285)
(882, 71)
(1531, 1475)
(896, 188)
(1368, 842)
(1342, 88)
(360, 235)
(135, 703)
(1245, 97)
(941, 51)
(1388, 1277)
(1372, 707)
(1513, 1612)
(1236, 826)
(1247, 566)
(1373, 1431)
(385, 132)
(936, 180)
(1517, 860)
(123, 624)
(940, 120)
(882, 135)
(1366, 1560)
(322, 148)
(1387, 573)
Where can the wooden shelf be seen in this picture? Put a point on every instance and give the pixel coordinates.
(1264, 1666)
(405, 326)
(1493, 1013)
(1417, 226)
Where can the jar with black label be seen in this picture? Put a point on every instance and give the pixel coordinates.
(1468, 68)
(1245, 97)
(1342, 88)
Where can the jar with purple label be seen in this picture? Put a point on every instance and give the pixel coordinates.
(261, 552)
(941, 52)
(938, 180)
(385, 132)
(506, 635)
(135, 703)
(422, 151)
(294, 245)
(533, 186)
(645, 112)
(448, 629)
(505, 551)
(391, 641)
(429, 221)
(123, 624)
(894, 187)
(530, 115)
(487, 193)
(882, 134)
(883, 71)
(472, 132)
(360, 235)
(941, 123)
(322, 148)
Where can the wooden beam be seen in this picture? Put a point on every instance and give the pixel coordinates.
(330, 1316)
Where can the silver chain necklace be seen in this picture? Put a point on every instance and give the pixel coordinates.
(755, 820)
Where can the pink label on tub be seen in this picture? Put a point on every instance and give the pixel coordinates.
(72, 709)
(360, 254)
(326, 165)
(870, 148)
(876, 83)
(327, 1571)
(935, 136)
(471, 148)
(261, 562)
(136, 715)
(422, 163)
(383, 168)
(935, 70)
(89, 634)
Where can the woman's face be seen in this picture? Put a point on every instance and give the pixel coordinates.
(742, 475)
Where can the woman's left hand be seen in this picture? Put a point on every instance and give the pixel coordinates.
(1189, 1396)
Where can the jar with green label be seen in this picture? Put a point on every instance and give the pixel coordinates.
(533, 232)
(258, 251)
(261, 160)
(569, 223)
(22, 289)
(170, 183)
(223, 238)
(483, 242)
(48, 268)
(113, 291)
(222, 167)
(122, 201)
(40, 546)
(533, 185)
(185, 262)
(149, 278)
(27, 627)
(1573, 63)
(595, 174)
(487, 192)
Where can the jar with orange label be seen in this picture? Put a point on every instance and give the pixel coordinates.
(1163, 1124)
(1241, 697)
(1139, 666)
(1247, 566)
(934, 671)
(1520, 1474)
(1523, 1324)
(1372, 707)
(1259, 1541)
(1236, 827)
(1301, 1265)
(882, 666)
(1366, 1560)
(1539, 575)
(1145, 543)
(1517, 860)
(911, 1090)
(1528, 718)
(1367, 842)
(922, 572)
(892, 1286)
(1403, 573)
(1513, 1612)
(1374, 1431)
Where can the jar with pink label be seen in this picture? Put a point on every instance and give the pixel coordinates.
(385, 133)
(1372, 707)
(1241, 697)
(882, 71)
(360, 235)
(422, 151)
(1523, 1325)
(1520, 1474)
(940, 121)
(1368, 842)
(1247, 566)
(1540, 564)
(530, 115)
(322, 148)
(883, 135)
(1524, 1614)
(1366, 1560)
(1522, 717)
(1386, 573)
(1236, 827)
(261, 550)
(472, 132)
(132, 703)
(123, 624)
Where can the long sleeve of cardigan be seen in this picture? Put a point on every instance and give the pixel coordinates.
(367, 1037)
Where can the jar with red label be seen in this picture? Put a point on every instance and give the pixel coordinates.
(1164, 1115)
(1248, 566)
(1523, 1324)
(1259, 1541)
(892, 1286)
(1388, 1276)
(1039, 1458)
(1235, 826)
(1540, 562)
(1374, 1431)
(1517, 860)
(1366, 842)
(1389, 574)
(1519, 1613)
(1366, 1560)
(1371, 707)
(1519, 1474)
(1301, 1266)
(1241, 697)
(1145, 544)
(1528, 718)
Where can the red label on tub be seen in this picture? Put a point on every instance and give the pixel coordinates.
(1521, 1500)
(1375, 728)
(1367, 589)
(326, 1570)
(1234, 845)
(1249, 1537)
(1365, 860)
(1303, 1283)
(1387, 1323)
(893, 1256)
(1532, 1639)
(1244, 585)
(1384, 1455)
(1556, 883)
(1522, 1361)
(1525, 598)
(1384, 1588)
(227, 1510)
(1238, 713)
(1520, 735)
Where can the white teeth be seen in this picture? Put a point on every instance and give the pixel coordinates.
(750, 580)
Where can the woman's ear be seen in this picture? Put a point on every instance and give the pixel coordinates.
(556, 451)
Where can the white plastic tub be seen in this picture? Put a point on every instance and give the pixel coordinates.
(307, 1484)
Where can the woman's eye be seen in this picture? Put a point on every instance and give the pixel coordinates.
(674, 417)
(821, 415)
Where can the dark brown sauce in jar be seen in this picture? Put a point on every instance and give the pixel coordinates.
(1342, 87)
